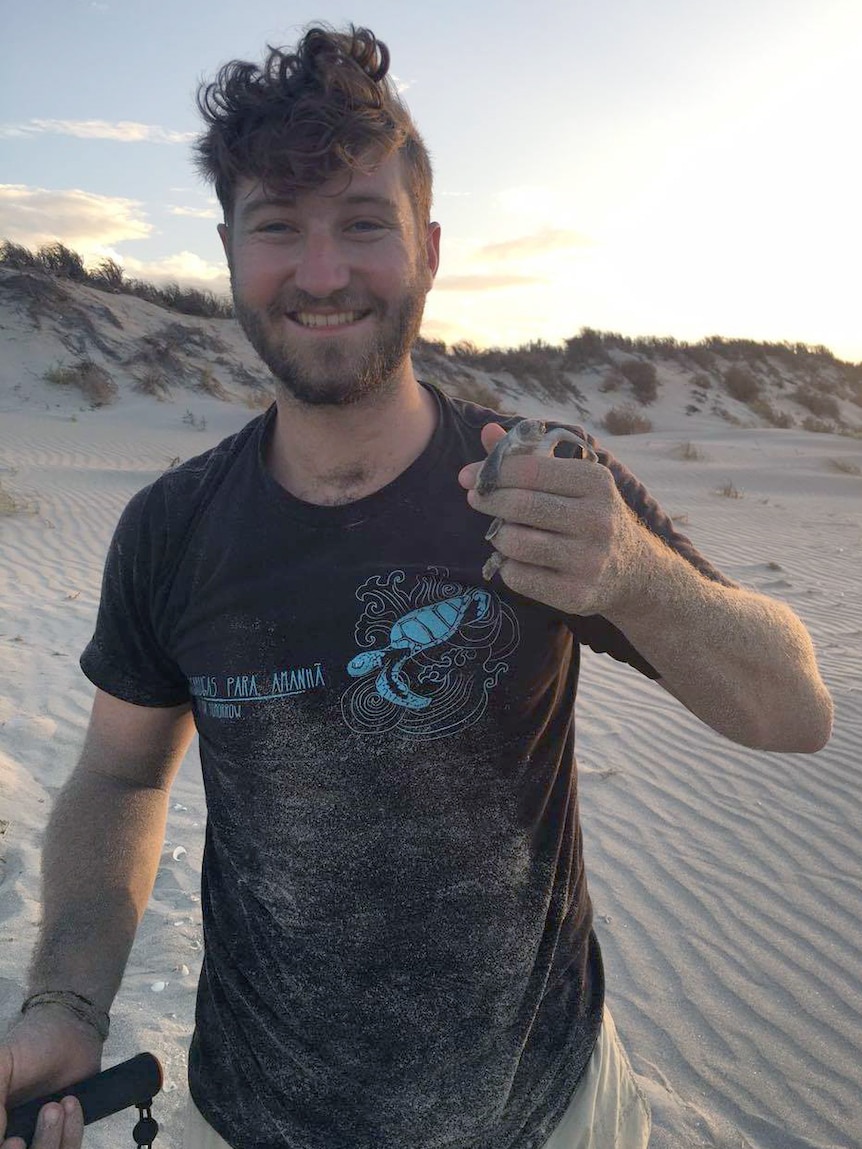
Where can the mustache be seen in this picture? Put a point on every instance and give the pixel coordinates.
(338, 301)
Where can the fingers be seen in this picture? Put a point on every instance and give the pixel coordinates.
(554, 588)
(559, 514)
(548, 550)
(572, 477)
(73, 1124)
(60, 1126)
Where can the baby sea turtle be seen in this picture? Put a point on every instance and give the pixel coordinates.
(528, 437)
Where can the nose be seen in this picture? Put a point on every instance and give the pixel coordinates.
(322, 268)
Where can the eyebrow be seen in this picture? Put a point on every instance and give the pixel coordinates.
(356, 199)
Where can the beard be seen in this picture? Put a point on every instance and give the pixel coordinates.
(336, 373)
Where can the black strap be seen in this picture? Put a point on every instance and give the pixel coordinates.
(146, 1129)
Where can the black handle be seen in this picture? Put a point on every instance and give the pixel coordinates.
(132, 1082)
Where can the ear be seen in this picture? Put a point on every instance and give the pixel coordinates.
(432, 247)
(224, 236)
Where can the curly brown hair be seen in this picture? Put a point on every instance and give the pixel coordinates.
(305, 116)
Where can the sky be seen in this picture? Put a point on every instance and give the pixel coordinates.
(654, 167)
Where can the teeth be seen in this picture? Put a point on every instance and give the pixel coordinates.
(311, 319)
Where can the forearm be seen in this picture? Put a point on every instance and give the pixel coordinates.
(742, 662)
(100, 857)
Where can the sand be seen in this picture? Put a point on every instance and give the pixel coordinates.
(727, 883)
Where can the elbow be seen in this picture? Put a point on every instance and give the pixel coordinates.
(805, 731)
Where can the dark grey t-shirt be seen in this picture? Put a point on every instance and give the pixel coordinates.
(398, 942)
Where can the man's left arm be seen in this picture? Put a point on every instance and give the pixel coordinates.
(742, 662)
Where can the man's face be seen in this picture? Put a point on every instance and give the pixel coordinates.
(329, 285)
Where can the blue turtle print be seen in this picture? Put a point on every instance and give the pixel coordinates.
(436, 652)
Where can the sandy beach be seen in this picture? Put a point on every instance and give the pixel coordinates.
(727, 883)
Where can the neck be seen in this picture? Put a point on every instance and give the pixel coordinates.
(330, 455)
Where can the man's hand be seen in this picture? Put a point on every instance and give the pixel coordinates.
(567, 537)
(43, 1052)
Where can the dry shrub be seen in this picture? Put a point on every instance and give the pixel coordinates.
(611, 381)
(728, 491)
(818, 426)
(700, 355)
(626, 420)
(478, 392)
(765, 410)
(10, 504)
(14, 504)
(153, 382)
(14, 256)
(92, 380)
(157, 354)
(109, 276)
(62, 261)
(643, 378)
(845, 467)
(688, 452)
(728, 416)
(741, 384)
(181, 336)
(211, 385)
(823, 406)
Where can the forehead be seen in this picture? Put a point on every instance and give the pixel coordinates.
(383, 184)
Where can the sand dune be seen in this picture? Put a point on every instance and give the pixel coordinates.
(727, 883)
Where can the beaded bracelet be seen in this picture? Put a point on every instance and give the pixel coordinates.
(82, 1007)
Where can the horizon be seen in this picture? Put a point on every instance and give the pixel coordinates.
(195, 302)
(725, 202)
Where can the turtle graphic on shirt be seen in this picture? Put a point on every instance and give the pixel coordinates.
(433, 653)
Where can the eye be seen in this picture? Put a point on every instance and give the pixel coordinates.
(366, 226)
(275, 227)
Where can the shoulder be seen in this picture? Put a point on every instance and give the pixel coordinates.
(469, 416)
(474, 416)
(178, 494)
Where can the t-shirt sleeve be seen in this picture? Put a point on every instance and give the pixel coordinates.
(126, 656)
(594, 630)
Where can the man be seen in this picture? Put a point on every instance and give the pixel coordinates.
(398, 940)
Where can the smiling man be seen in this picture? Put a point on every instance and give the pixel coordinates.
(399, 948)
(330, 284)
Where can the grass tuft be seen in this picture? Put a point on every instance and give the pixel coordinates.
(626, 420)
(729, 491)
(845, 467)
(89, 377)
(688, 452)
(12, 504)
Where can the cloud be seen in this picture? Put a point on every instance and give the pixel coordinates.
(195, 212)
(444, 329)
(184, 267)
(82, 220)
(484, 282)
(123, 131)
(549, 239)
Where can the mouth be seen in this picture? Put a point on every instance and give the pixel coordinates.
(327, 319)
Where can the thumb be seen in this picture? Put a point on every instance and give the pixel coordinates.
(492, 433)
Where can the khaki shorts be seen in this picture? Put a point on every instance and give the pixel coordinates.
(607, 1111)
